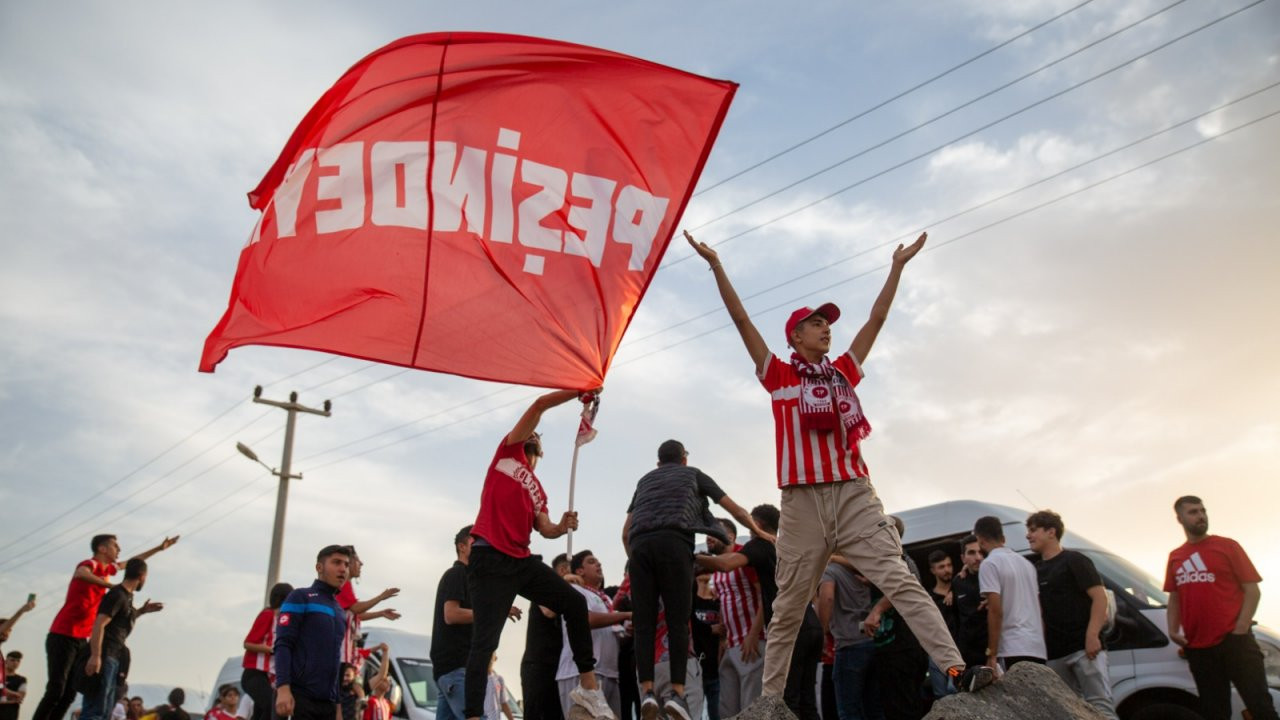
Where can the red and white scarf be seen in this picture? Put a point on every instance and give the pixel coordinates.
(819, 382)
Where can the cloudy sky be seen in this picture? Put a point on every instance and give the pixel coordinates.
(1097, 343)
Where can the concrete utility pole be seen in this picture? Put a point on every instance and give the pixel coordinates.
(284, 473)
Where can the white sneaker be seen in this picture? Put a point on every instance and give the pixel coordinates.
(593, 702)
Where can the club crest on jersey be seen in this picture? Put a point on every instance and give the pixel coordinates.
(284, 619)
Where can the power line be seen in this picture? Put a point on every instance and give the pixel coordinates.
(883, 103)
(966, 211)
(989, 125)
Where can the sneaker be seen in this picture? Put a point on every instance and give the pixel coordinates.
(592, 701)
(973, 679)
(676, 707)
(649, 706)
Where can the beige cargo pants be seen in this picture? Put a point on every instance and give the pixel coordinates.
(845, 518)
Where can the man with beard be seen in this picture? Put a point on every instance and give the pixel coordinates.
(971, 610)
(107, 651)
(1213, 593)
(942, 570)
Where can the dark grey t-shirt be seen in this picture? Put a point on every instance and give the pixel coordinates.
(852, 604)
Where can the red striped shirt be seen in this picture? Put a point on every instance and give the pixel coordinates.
(809, 458)
(351, 654)
(263, 633)
(737, 601)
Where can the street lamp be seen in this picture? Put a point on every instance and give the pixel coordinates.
(284, 473)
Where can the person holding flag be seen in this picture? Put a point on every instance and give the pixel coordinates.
(512, 505)
(828, 504)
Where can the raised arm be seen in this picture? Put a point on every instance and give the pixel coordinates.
(529, 421)
(744, 517)
(384, 667)
(164, 545)
(756, 346)
(7, 625)
(364, 606)
(84, 573)
(866, 337)
(727, 562)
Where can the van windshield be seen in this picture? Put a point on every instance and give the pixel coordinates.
(1139, 585)
(421, 685)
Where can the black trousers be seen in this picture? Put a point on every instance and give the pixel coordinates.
(493, 580)
(800, 693)
(257, 686)
(61, 652)
(1012, 660)
(541, 693)
(901, 672)
(1237, 660)
(661, 568)
(309, 708)
(828, 704)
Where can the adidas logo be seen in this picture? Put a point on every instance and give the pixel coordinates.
(1193, 570)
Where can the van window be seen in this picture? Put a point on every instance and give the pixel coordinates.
(418, 677)
(1140, 586)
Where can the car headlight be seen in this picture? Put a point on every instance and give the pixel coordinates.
(1271, 662)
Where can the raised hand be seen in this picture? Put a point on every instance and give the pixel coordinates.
(169, 542)
(903, 254)
(704, 250)
(569, 521)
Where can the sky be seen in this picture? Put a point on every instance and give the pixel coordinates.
(1098, 343)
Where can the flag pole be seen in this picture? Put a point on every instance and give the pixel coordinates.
(586, 433)
(573, 481)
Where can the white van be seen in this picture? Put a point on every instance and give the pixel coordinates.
(1149, 678)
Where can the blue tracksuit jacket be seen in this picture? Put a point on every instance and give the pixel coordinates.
(308, 644)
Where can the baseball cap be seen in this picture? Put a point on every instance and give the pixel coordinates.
(826, 310)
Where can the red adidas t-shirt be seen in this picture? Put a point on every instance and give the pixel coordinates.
(1207, 577)
(809, 457)
(81, 607)
(511, 499)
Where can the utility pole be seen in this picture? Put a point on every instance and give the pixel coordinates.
(285, 473)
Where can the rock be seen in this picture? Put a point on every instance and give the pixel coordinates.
(1028, 691)
(766, 707)
(577, 712)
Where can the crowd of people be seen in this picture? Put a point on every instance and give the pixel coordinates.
(821, 608)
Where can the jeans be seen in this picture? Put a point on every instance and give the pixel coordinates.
(99, 702)
(856, 695)
(1090, 679)
(451, 686)
(60, 691)
(939, 682)
(1236, 660)
(711, 695)
(661, 568)
(493, 580)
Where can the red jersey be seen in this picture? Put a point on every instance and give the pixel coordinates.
(76, 616)
(1207, 576)
(511, 499)
(262, 632)
(377, 709)
(217, 713)
(351, 655)
(738, 601)
(809, 457)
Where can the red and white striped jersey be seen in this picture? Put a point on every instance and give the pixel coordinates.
(263, 632)
(809, 457)
(737, 601)
(351, 654)
(377, 709)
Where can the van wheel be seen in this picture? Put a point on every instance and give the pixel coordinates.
(1164, 711)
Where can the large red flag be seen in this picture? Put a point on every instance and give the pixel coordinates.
(486, 205)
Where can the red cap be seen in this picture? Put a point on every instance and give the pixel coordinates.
(826, 310)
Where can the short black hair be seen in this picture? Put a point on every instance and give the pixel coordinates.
(671, 451)
(15, 654)
(967, 541)
(989, 527)
(226, 688)
(766, 516)
(578, 558)
(461, 536)
(177, 696)
(938, 556)
(278, 593)
(561, 558)
(1047, 520)
(1186, 500)
(135, 568)
(730, 527)
(98, 540)
(328, 550)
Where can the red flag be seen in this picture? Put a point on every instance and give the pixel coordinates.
(486, 205)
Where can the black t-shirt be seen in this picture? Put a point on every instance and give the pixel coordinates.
(1064, 601)
(9, 710)
(173, 713)
(948, 611)
(894, 635)
(706, 612)
(117, 604)
(450, 644)
(971, 623)
(763, 558)
(543, 639)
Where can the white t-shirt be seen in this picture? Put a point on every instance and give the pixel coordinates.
(119, 712)
(1013, 577)
(604, 643)
(245, 708)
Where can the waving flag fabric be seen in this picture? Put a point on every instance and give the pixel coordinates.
(486, 205)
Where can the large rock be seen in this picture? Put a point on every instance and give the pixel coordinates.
(1026, 692)
(766, 707)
